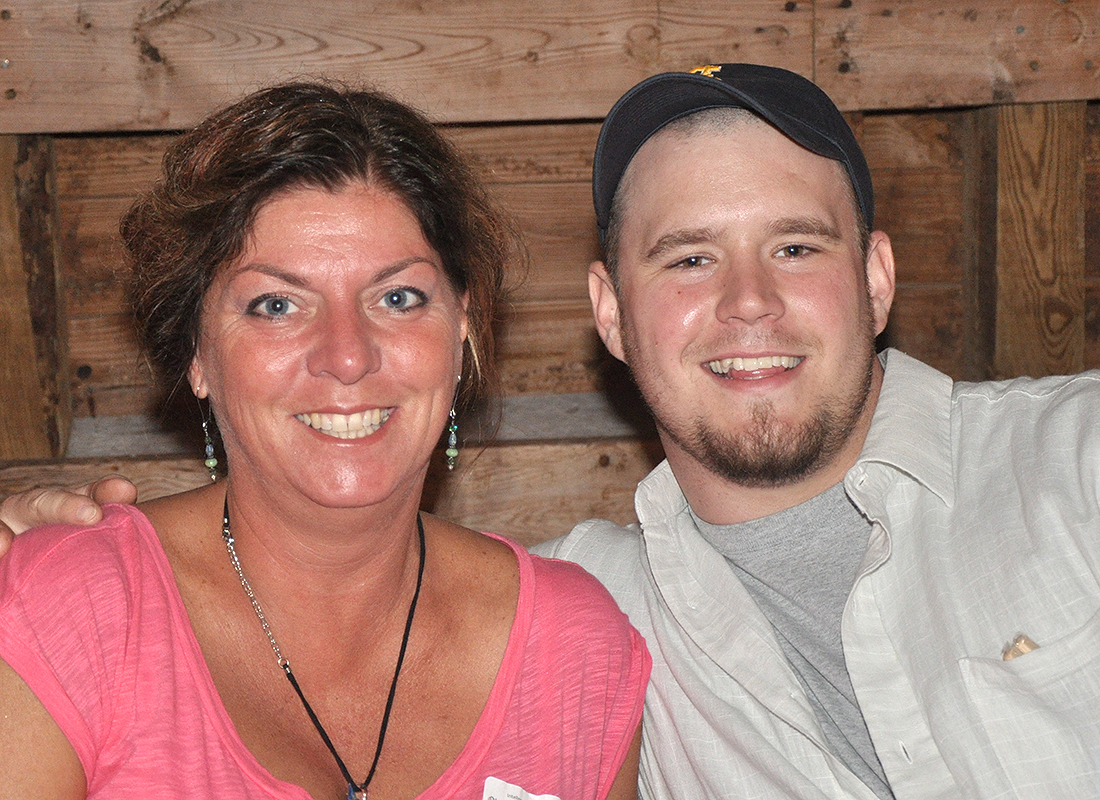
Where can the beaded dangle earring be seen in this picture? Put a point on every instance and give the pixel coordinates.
(452, 435)
(211, 462)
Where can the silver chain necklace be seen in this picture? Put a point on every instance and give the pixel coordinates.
(356, 791)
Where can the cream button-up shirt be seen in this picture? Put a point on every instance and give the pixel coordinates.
(985, 503)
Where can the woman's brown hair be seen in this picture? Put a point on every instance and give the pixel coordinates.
(197, 219)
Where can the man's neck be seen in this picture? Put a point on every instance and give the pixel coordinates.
(720, 501)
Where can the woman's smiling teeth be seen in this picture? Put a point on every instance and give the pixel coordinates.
(726, 365)
(347, 426)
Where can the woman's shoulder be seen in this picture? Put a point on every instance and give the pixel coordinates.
(92, 580)
(88, 553)
(554, 582)
(559, 598)
(565, 579)
(71, 597)
(572, 602)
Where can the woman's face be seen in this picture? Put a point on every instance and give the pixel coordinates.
(330, 350)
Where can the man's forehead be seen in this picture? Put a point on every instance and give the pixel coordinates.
(693, 177)
(704, 130)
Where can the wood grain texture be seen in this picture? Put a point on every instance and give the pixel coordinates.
(1040, 239)
(81, 65)
(34, 390)
(23, 434)
(38, 233)
(926, 322)
(1092, 325)
(979, 245)
(531, 492)
(917, 170)
(154, 477)
(92, 399)
(521, 154)
(105, 344)
(551, 347)
(104, 65)
(537, 491)
(1092, 194)
(559, 227)
(927, 53)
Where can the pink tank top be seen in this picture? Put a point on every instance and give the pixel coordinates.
(92, 620)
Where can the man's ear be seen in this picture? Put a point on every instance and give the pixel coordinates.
(605, 308)
(880, 278)
(197, 378)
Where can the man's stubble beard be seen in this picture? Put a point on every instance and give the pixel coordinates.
(771, 453)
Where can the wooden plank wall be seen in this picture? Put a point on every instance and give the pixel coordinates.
(980, 124)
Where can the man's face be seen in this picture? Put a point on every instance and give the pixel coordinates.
(744, 308)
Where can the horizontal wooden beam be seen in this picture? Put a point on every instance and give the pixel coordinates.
(529, 491)
(82, 65)
(535, 491)
(889, 54)
(103, 65)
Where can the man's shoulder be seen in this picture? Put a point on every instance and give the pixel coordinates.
(1053, 389)
(902, 368)
(606, 549)
(1049, 410)
(593, 540)
(916, 394)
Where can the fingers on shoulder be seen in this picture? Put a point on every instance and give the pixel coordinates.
(44, 506)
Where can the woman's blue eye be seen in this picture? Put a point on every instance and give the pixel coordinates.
(403, 299)
(271, 306)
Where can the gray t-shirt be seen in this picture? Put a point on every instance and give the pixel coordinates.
(799, 565)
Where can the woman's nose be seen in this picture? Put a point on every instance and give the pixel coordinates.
(346, 346)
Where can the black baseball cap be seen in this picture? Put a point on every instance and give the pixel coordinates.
(791, 103)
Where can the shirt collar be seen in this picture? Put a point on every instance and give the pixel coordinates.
(659, 497)
(910, 431)
(911, 427)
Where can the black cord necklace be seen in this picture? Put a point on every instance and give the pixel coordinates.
(356, 791)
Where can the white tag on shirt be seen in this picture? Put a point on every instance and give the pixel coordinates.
(496, 789)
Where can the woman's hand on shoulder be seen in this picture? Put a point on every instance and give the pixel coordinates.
(79, 506)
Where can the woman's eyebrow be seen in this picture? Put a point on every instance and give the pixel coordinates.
(302, 282)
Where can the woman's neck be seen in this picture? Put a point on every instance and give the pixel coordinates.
(323, 571)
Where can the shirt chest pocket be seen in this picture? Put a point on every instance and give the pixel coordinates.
(1041, 713)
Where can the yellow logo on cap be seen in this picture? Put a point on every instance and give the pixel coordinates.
(707, 70)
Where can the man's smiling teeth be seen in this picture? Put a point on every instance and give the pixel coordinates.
(723, 366)
(346, 426)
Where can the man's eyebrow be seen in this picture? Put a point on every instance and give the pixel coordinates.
(680, 238)
(805, 226)
(784, 226)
